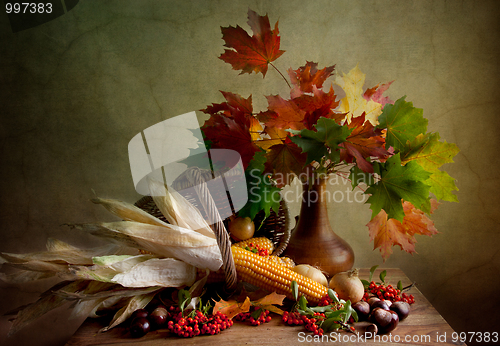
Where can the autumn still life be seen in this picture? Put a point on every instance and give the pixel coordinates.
(169, 271)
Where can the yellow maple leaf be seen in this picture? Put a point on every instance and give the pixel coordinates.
(232, 308)
(354, 103)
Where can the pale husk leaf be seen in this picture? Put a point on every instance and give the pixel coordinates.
(164, 272)
(177, 210)
(171, 241)
(135, 303)
(127, 211)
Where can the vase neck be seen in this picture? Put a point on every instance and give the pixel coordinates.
(313, 210)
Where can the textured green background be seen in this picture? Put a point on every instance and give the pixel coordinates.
(75, 90)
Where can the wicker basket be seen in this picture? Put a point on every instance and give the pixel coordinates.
(276, 227)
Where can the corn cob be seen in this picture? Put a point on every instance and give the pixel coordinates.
(261, 242)
(261, 272)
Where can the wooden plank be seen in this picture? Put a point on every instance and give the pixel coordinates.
(424, 326)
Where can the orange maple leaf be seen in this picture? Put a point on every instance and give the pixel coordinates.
(232, 308)
(386, 233)
(252, 53)
(285, 114)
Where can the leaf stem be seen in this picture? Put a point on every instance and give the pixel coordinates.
(281, 74)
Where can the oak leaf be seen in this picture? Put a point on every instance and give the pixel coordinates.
(387, 233)
(252, 53)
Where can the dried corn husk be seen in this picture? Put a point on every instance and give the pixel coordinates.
(22, 276)
(136, 302)
(127, 211)
(177, 210)
(107, 267)
(164, 272)
(61, 252)
(170, 241)
(47, 302)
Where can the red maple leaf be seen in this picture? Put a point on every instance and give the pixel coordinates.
(284, 114)
(305, 77)
(317, 105)
(231, 133)
(252, 53)
(363, 142)
(287, 161)
(375, 94)
(386, 233)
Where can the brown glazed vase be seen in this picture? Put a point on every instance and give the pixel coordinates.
(313, 240)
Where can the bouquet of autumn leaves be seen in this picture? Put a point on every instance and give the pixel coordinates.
(381, 146)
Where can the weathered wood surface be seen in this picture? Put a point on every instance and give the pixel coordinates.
(424, 326)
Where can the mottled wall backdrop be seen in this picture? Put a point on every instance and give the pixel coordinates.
(76, 89)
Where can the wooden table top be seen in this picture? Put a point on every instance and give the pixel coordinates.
(424, 326)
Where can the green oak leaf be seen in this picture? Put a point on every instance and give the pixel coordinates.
(431, 154)
(403, 122)
(324, 141)
(397, 183)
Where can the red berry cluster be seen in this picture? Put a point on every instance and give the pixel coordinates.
(197, 323)
(312, 324)
(255, 248)
(264, 317)
(387, 292)
(326, 300)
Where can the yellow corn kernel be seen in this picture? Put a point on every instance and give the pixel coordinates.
(266, 274)
(261, 242)
(284, 261)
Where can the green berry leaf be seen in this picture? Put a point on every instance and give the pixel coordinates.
(382, 275)
(399, 183)
(403, 122)
(372, 271)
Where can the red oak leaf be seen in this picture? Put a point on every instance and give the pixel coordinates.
(305, 77)
(252, 53)
(363, 142)
(387, 233)
(375, 94)
(285, 114)
(231, 133)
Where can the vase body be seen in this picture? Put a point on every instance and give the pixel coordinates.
(313, 240)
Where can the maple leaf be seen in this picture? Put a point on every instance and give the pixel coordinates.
(376, 94)
(263, 195)
(232, 308)
(306, 77)
(387, 233)
(268, 302)
(363, 142)
(272, 137)
(285, 114)
(398, 183)
(403, 122)
(287, 161)
(231, 133)
(237, 106)
(252, 53)
(324, 142)
(317, 105)
(354, 104)
(431, 154)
